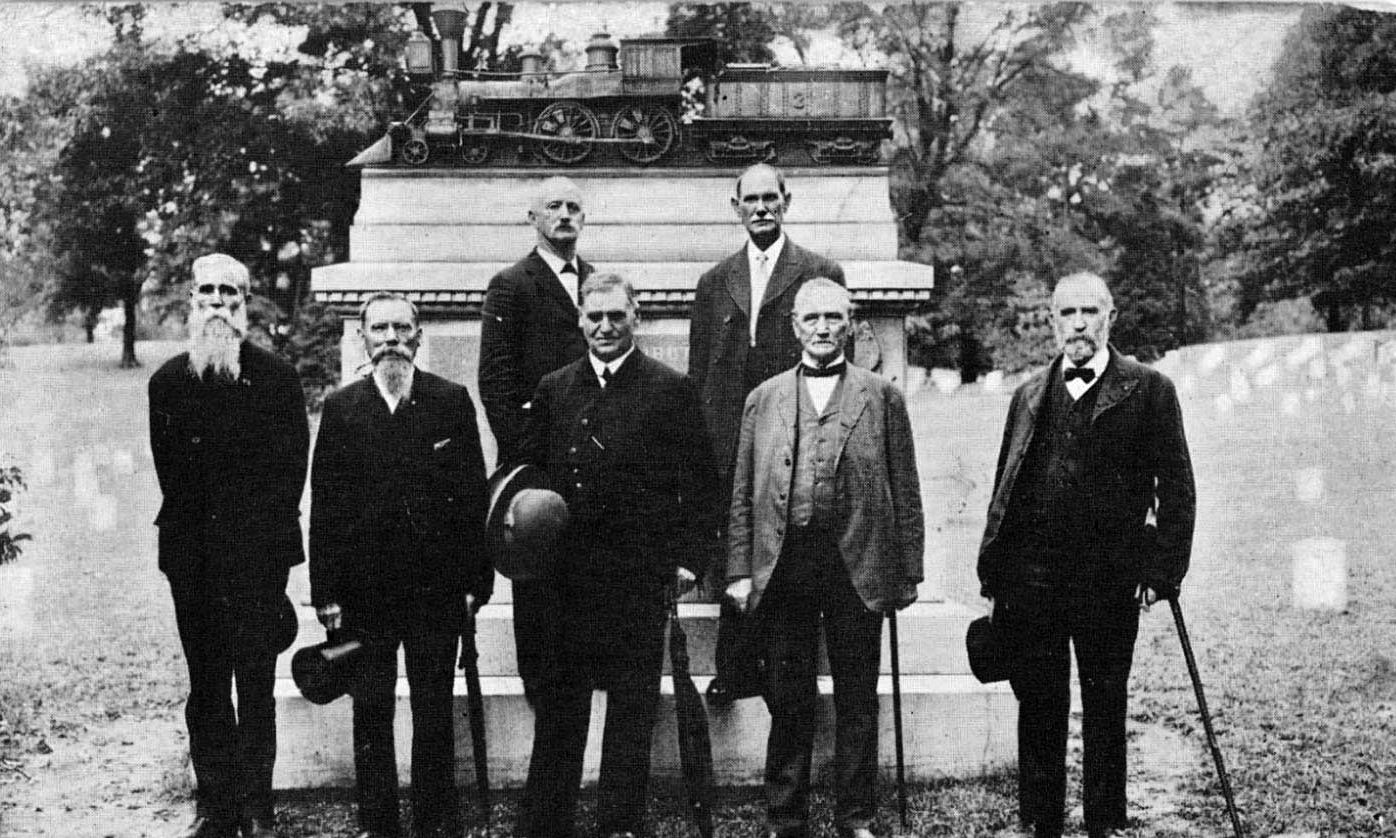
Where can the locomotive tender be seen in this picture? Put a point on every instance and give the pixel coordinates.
(636, 104)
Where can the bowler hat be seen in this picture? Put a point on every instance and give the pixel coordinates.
(524, 522)
(990, 655)
(286, 626)
(328, 670)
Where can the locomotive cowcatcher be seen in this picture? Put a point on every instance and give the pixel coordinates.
(636, 104)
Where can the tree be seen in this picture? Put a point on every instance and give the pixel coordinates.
(743, 31)
(1324, 178)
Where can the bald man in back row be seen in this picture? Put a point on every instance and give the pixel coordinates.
(528, 329)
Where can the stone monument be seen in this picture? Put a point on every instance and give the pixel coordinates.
(438, 233)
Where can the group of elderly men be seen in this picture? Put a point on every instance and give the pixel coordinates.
(775, 452)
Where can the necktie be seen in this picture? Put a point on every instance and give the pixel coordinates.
(759, 278)
(1086, 374)
(605, 377)
(822, 372)
(569, 268)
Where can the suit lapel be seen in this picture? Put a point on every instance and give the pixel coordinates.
(739, 282)
(851, 407)
(1115, 386)
(549, 286)
(785, 272)
(787, 405)
(1034, 398)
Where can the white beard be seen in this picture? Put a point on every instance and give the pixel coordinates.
(215, 341)
(392, 371)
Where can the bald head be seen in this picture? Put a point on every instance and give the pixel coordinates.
(1082, 313)
(557, 214)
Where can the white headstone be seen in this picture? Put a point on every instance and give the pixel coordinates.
(1320, 571)
(946, 381)
(1307, 348)
(1211, 359)
(1308, 485)
(1263, 352)
(993, 381)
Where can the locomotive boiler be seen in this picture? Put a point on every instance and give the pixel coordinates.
(646, 101)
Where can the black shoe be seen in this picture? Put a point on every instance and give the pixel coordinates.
(855, 832)
(1040, 831)
(626, 834)
(206, 827)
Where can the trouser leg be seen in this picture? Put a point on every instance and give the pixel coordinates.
(536, 606)
(853, 637)
(375, 759)
(1104, 632)
(562, 712)
(625, 757)
(431, 659)
(791, 628)
(1042, 684)
(256, 680)
(208, 712)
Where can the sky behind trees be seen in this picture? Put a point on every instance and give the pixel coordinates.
(1229, 46)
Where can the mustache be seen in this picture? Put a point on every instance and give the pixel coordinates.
(383, 352)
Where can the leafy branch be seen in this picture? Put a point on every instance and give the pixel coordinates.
(11, 483)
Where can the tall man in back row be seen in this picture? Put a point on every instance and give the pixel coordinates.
(528, 328)
(825, 528)
(1091, 519)
(740, 335)
(229, 436)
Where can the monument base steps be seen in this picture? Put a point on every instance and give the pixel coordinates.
(953, 725)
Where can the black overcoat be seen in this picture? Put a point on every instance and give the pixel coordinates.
(231, 460)
(1141, 470)
(528, 328)
(398, 502)
(719, 336)
(635, 466)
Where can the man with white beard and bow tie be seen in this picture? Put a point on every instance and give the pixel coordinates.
(229, 437)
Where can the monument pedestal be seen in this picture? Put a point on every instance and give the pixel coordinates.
(438, 236)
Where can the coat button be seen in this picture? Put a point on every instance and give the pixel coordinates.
(572, 450)
(196, 440)
(585, 421)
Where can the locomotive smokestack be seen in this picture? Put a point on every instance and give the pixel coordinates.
(601, 52)
(450, 25)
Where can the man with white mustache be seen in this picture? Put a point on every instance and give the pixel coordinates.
(1091, 519)
(396, 555)
(229, 436)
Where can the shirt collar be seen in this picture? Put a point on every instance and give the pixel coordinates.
(597, 365)
(807, 361)
(772, 252)
(556, 262)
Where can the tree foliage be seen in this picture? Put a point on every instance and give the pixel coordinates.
(11, 483)
(744, 31)
(1324, 179)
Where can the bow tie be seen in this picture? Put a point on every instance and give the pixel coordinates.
(822, 372)
(1086, 374)
(569, 268)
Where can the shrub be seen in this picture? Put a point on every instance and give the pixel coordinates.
(11, 482)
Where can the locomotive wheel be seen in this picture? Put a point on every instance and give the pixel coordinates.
(415, 152)
(574, 125)
(474, 153)
(652, 128)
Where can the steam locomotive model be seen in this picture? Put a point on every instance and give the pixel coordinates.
(660, 95)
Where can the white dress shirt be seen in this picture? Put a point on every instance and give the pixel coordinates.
(821, 388)
(1076, 387)
(601, 367)
(571, 282)
(760, 264)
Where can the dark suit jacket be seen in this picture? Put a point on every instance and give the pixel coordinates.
(398, 500)
(528, 328)
(634, 464)
(882, 540)
(231, 460)
(1140, 458)
(719, 335)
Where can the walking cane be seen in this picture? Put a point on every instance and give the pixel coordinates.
(1206, 716)
(897, 716)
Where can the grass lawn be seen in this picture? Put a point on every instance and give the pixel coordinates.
(91, 722)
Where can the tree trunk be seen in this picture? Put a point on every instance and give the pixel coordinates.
(128, 331)
(1334, 317)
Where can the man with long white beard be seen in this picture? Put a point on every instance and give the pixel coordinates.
(230, 440)
(396, 556)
